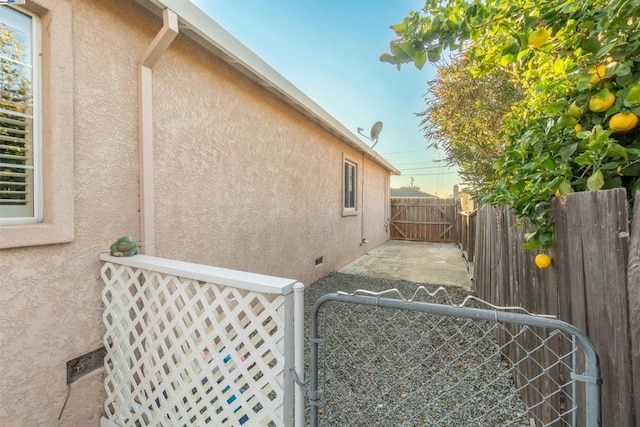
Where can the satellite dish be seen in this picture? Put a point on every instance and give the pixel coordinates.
(375, 131)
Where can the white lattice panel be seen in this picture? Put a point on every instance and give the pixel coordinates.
(184, 352)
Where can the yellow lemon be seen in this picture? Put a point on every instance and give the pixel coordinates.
(598, 104)
(624, 121)
(578, 128)
(543, 260)
(597, 73)
(538, 37)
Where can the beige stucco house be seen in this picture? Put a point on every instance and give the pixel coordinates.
(145, 118)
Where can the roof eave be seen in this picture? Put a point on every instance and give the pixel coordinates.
(205, 31)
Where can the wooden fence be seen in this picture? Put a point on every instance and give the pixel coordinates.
(425, 219)
(593, 283)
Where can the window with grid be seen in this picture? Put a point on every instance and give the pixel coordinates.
(19, 145)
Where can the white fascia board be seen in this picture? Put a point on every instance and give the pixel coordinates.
(208, 33)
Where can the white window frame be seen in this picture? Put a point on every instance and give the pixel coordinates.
(36, 123)
(347, 209)
(56, 131)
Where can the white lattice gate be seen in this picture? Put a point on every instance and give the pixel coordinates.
(196, 345)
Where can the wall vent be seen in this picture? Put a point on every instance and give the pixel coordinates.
(81, 366)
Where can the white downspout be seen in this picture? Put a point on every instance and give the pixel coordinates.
(145, 128)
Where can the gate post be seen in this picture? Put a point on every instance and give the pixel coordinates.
(298, 322)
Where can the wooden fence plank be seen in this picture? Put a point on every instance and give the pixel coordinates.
(472, 236)
(633, 289)
(479, 281)
(493, 268)
(603, 217)
(561, 255)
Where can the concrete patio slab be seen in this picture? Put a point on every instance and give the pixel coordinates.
(421, 262)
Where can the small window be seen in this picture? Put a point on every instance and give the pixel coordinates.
(19, 136)
(350, 186)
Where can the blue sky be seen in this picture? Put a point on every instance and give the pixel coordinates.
(329, 49)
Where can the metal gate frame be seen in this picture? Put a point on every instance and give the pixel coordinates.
(590, 377)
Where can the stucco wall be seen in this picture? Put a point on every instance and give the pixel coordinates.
(242, 180)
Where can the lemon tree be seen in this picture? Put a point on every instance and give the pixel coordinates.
(578, 64)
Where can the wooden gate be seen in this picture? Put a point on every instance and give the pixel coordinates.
(424, 219)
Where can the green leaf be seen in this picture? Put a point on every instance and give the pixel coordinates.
(408, 48)
(633, 96)
(420, 58)
(567, 151)
(567, 121)
(524, 52)
(602, 93)
(612, 182)
(596, 119)
(595, 181)
(396, 49)
(616, 150)
(512, 49)
(451, 24)
(583, 84)
(583, 160)
(506, 60)
(558, 66)
(401, 28)
(565, 187)
(554, 108)
(611, 111)
(604, 50)
(591, 45)
(387, 57)
(545, 239)
(529, 22)
(622, 70)
(631, 170)
(433, 54)
(609, 166)
(549, 165)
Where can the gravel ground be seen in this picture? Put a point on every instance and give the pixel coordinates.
(386, 367)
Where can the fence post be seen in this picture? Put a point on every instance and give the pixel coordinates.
(298, 320)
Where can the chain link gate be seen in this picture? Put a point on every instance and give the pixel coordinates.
(392, 362)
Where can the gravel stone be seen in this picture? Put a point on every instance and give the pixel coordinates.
(386, 367)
